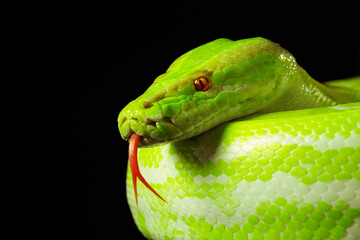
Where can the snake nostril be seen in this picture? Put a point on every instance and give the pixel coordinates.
(148, 105)
(152, 123)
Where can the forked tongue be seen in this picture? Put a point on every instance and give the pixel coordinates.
(134, 166)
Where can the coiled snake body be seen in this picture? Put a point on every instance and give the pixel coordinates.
(238, 142)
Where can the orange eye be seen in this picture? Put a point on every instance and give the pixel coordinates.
(202, 84)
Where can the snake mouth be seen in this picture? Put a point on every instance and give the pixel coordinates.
(148, 121)
(149, 131)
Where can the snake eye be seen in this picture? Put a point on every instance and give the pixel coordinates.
(202, 84)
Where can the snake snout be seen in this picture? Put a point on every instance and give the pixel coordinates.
(149, 122)
(143, 119)
(128, 126)
(124, 128)
(131, 120)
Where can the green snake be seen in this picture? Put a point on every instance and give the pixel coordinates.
(236, 141)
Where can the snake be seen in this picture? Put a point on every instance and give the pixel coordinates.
(237, 141)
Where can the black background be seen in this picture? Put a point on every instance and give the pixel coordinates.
(78, 65)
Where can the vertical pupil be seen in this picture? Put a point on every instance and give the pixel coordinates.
(201, 84)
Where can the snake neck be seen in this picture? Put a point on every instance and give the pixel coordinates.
(304, 92)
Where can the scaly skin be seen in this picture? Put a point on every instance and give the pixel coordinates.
(272, 174)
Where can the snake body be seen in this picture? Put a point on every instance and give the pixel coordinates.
(237, 141)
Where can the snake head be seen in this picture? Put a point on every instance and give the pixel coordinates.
(209, 85)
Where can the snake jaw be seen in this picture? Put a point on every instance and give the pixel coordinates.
(134, 167)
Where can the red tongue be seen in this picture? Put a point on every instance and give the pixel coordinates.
(134, 167)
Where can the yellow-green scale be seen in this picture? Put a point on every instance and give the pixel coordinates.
(293, 175)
